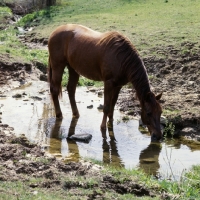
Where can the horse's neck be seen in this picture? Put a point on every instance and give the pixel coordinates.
(139, 79)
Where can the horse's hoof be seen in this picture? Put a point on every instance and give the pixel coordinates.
(59, 116)
(76, 116)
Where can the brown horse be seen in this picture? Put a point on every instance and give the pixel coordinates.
(109, 57)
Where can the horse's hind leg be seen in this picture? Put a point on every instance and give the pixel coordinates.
(55, 87)
(71, 88)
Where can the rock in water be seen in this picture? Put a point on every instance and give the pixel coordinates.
(85, 137)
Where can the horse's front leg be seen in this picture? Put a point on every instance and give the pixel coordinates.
(71, 88)
(108, 90)
(115, 95)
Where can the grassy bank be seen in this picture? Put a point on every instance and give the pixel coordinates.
(127, 184)
(147, 23)
(151, 25)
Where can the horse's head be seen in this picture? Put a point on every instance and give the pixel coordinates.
(151, 112)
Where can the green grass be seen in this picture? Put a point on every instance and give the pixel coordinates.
(169, 111)
(150, 25)
(10, 45)
(4, 13)
(186, 188)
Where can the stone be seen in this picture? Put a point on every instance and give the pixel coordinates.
(100, 107)
(188, 131)
(90, 106)
(85, 137)
(17, 95)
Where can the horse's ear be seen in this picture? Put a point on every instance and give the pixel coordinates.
(158, 97)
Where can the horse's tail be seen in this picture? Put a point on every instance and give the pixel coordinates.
(49, 71)
(52, 87)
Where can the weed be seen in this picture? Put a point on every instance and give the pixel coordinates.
(169, 129)
(65, 78)
(124, 119)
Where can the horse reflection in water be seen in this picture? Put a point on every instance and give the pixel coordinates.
(149, 159)
(110, 154)
(56, 140)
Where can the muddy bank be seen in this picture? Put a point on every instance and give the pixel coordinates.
(178, 77)
(23, 161)
(14, 74)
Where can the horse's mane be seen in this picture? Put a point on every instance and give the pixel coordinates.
(129, 60)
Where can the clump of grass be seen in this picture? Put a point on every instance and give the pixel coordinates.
(5, 13)
(85, 82)
(169, 128)
(37, 17)
(187, 187)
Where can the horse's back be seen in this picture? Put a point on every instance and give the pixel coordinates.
(76, 46)
(71, 35)
(90, 53)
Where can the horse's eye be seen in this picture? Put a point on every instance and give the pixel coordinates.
(149, 114)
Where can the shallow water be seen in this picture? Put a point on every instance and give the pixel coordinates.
(123, 146)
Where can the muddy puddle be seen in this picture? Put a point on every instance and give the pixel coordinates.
(32, 114)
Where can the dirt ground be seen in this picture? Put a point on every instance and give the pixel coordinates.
(21, 160)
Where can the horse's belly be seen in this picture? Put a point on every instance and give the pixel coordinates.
(84, 59)
(92, 73)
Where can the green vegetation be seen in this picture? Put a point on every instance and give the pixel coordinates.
(169, 111)
(10, 45)
(169, 129)
(148, 24)
(188, 187)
